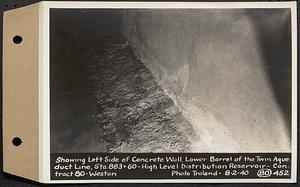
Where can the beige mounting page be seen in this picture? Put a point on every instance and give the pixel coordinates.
(21, 92)
(186, 74)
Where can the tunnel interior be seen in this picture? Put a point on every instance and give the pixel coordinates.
(179, 80)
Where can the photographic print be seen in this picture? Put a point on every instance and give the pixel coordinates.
(170, 92)
(163, 80)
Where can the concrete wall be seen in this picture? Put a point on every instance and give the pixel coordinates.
(218, 67)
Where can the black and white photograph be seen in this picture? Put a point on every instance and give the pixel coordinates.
(150, 92)
(170, 80)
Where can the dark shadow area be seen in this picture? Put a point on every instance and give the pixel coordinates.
(74, 34)
(275, 39)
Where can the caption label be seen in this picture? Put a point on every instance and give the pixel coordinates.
(80, 166)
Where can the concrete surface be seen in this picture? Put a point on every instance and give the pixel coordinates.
(227, 70)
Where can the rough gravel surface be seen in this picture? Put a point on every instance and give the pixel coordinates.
(134, 113)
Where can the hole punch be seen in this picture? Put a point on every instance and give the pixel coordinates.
(17, 141)
(17, 39)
